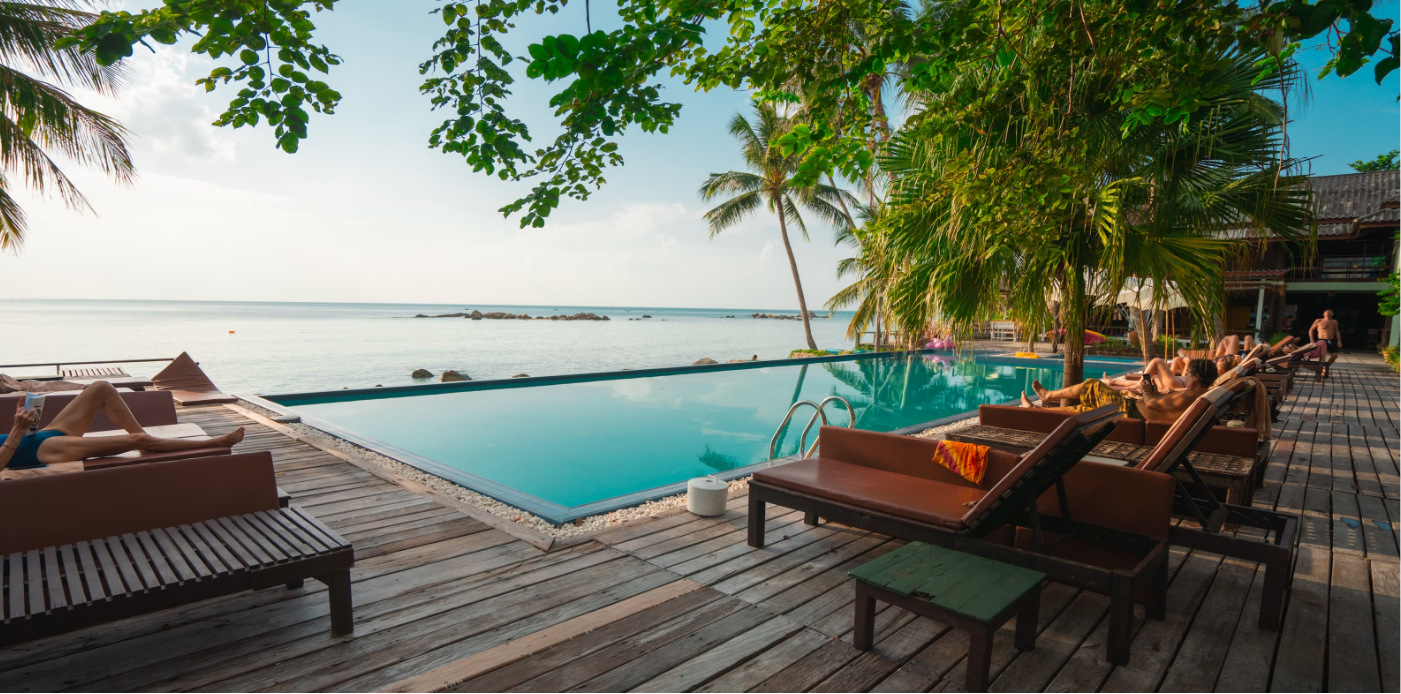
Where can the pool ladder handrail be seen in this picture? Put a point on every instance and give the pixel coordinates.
(820, 412)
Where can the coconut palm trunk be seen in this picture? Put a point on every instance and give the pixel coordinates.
(797, 282)
(1074, 308)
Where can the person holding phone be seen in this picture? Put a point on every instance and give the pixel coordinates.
(62, 440)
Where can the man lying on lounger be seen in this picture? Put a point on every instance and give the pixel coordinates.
(62, 441)
(1154, 404)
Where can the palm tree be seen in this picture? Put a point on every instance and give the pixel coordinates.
(770, 184)
(872, 271)
(1166, 202)
(39, 117)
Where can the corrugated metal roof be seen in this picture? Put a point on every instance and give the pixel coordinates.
(1385, 215)
(1349, 196)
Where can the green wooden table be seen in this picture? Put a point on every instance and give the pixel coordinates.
(972, 593)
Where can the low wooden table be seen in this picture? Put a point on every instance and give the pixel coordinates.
(974, 594)
(1235, 474)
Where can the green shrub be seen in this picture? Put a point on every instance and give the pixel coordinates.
(1278, 336)
(1392, 357)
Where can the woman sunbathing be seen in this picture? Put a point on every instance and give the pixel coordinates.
(1154, 404)
(1167, 376)
(62, 441)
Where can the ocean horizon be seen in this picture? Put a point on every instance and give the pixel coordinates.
(256, 347)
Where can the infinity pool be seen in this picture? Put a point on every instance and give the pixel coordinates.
(572, 446)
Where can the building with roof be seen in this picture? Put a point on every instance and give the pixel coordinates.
(1289, 284)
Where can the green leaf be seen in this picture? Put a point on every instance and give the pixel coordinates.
(248, 57)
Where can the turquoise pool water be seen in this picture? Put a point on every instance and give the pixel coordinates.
(579, 444)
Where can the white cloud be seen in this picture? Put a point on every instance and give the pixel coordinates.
(164, 109)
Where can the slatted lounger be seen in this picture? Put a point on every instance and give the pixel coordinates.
(94, 547)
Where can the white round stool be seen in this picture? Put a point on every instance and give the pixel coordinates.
(706, 496)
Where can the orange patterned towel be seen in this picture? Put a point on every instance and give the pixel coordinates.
(969, 460)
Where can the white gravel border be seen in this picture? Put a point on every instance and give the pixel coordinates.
(576, 528)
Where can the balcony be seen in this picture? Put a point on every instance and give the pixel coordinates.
(1344, 268)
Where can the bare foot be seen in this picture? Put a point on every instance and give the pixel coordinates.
(1040, 390)
(228, 440)
(1026, 402)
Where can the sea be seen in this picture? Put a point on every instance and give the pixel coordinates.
(264, 348)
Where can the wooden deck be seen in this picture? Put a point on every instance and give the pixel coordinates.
(680, 603)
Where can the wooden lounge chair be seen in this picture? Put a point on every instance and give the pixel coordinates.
(99, 546)
(184, 380)
(1195, 501)
(888, 484)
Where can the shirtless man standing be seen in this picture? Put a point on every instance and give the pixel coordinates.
(1326, 329)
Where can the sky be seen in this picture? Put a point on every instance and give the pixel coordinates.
(366, 212)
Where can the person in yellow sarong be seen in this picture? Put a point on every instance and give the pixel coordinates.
(1154, 404)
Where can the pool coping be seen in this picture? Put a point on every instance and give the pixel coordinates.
(548, 510)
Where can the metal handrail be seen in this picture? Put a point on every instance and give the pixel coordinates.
(818, 413)
(822, 410)
(773, 442)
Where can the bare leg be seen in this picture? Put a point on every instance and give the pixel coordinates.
(62, 449)
(1051, 395)
(1162, 375)
(76, 418)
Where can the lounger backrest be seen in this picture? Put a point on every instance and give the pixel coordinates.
(1192, 427)
(1288, 340)
(1039, 468)
(60, 509)
(152, 408)
(183, 373)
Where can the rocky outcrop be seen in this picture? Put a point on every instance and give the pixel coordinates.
(421, 373)
(501, 315)
(704, 361)
(450, 376)
(783, 316)
(521, 376)
(577, 316)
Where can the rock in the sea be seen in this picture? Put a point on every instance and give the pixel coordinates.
(421, 373)
(449, 376)
(521, 376)
(646, 316)
(421, 315)
(704, 361)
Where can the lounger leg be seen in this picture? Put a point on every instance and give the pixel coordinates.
(810, 518)
(342, 611)
(1027, 616)
(1157, 592)
(1120, 620)
(979, 659)
(1272, 600)
(865, 623)
(756, 521)
(296, 584)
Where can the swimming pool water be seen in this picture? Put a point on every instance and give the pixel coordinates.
(572, 444)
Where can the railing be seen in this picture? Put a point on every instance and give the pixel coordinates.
(1347, 268)
(58, 366)
(820, 412)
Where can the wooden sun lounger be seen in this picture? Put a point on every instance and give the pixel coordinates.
(94, 372)
(1111, 544)
(100, 546)
(1193, 497)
